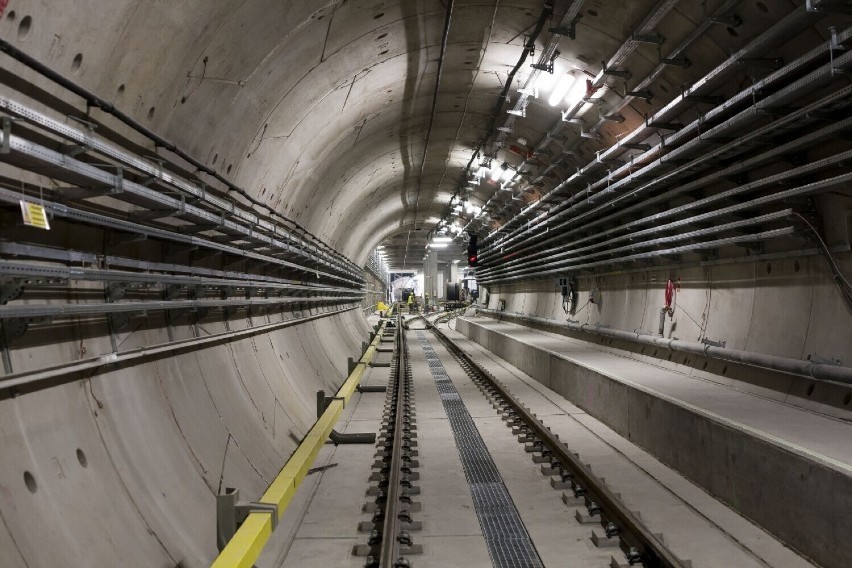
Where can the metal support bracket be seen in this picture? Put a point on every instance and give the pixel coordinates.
(231, 513)
(732, 20)
(642, 94)
(712, 343)
(654, 38)
(814, 358)
(338, 437)
(570, 31)
(6, 130)
(829, 6)
(683, 62)
(10, 289)
(623, 73)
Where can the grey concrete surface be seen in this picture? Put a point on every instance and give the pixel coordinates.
(323, 112)
(775, 463)
(694, 524)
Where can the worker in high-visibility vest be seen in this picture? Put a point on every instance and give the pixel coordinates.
(411, 303)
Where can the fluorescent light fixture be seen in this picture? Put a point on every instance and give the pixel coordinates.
(507, 175)
(441, 239)
(561, 90)
(495, 174)
(438, 245)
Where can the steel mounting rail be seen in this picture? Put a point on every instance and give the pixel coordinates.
(639, 544)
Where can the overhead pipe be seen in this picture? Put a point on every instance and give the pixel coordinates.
(745, 165)
(771, 37)
(550, 254)
(580, 199)
(798, 367)
(569, 257)
(528, 46)
(94, 100)
(822, 185)
(702, 245)
(653, 19)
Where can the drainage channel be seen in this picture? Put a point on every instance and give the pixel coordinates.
(508, 542)
(622, 527)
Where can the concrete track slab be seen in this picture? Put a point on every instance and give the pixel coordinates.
(787, 468)
(696, 526)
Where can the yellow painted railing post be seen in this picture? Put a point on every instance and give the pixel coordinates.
(248, 542)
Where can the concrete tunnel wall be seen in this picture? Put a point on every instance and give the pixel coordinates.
(126, 463)
(787, 307)
(320, 113)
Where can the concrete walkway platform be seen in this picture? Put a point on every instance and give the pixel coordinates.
(787, 468)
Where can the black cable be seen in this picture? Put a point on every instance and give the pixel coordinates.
(840, 280)
(529, 46)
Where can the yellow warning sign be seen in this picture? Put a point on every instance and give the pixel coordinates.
(34, 215)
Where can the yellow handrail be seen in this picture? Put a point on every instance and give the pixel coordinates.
(248, 542)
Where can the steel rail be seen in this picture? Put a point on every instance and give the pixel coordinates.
(635, 536)
(390, 551)
(246, 545)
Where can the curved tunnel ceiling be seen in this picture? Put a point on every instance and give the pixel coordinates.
(323, 111)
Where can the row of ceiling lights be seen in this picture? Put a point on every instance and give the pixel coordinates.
(565, 87)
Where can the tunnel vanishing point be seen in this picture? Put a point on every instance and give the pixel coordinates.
(421, 283)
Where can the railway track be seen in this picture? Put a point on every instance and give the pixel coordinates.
(392, 506)
(391, 503)
(618, 525)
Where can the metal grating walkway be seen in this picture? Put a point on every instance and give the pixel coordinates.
(506, 537)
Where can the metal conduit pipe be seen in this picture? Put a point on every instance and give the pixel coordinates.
(741, 119)
(768, 39)
(779, 196)
(549, 50)
(109, 108)
(675, 53)
(551, 254)
(693, 247)
(571, 256)
(576, 202)
(814, 137)
(807, 369)
(650, 22)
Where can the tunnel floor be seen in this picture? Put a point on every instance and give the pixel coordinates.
(321, 525)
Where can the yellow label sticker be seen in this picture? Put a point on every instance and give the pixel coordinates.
(34, 215)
